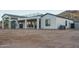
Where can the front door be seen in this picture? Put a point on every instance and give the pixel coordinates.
(20, 25)
(72, 25)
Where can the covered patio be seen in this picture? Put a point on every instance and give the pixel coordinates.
(32, 23)
(18, 22)
(29, 23)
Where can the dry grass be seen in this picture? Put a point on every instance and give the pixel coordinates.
(39, 38)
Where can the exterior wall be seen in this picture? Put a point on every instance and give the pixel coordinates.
(61, 21)
(52, 23)
(76, 24)
(55, 22)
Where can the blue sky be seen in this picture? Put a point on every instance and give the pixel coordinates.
(27, 12)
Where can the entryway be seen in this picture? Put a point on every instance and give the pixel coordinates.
(72, 25)
(20, 25)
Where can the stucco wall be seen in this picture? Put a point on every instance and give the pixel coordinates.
(52, 23)
(61, 21)
(77, 25)
(55, 22)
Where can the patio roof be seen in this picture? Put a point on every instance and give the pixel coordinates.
(14, 15)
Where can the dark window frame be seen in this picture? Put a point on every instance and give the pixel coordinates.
(47, 22)
(66, 23)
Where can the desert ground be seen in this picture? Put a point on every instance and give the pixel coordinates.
(22, 38)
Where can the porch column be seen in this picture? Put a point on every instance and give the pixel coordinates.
(37, 23)
(3, 23)
(9, 25)
(17, 25)
(25, 23)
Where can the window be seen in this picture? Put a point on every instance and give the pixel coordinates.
(47, 22)
(66, 23)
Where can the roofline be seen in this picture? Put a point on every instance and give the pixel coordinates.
(57, 16)
(13, 15)
(40, 16)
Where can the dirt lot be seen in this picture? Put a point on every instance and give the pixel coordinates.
(39, 38)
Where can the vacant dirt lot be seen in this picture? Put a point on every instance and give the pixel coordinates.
(39, 38)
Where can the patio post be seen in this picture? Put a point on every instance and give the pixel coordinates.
(17, 25)
(37, 23)
(3, 23)
(9, 23)
(25, 23)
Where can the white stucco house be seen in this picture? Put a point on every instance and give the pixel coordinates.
(45, 21)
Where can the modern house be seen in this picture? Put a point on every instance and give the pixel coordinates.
(45, 21)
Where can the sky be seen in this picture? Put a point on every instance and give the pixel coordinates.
(28, 12)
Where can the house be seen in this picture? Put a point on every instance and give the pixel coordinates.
(45, 21)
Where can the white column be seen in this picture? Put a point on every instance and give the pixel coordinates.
(9, 23)
(25, 23)
(37, 23)
(17, 25)
(3, 23)
(33, 25)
